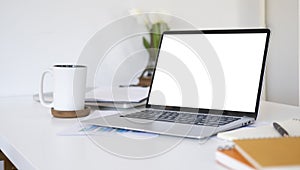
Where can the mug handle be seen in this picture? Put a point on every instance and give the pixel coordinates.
(41, 92)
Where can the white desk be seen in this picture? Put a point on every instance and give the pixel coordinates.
(28, 138)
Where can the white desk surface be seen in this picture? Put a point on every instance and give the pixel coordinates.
(28, 136)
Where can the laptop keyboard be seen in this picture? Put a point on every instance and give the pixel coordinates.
(185, 118)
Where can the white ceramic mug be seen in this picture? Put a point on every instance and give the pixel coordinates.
(69, 87)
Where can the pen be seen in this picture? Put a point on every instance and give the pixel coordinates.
(280, 130)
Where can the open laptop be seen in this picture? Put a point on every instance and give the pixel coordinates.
(204, 82)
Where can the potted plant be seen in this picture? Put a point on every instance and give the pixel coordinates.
(155, 27)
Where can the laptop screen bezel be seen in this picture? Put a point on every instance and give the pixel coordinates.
(215, 111)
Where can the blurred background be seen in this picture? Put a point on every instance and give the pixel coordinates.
(35, 34)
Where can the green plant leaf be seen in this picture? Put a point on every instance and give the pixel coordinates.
(155, 35)
(156, 28)
(146, 43)
(157, 40)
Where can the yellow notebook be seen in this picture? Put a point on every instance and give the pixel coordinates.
(271, 153)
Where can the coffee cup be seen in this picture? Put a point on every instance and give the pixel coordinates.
(68, 88)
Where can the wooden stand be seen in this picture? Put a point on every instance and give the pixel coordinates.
(70, 114)
(7, 163)
(146, 78)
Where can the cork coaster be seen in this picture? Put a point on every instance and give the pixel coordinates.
(71, 114)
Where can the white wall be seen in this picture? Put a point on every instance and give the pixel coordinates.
(36, 34)
(282, 17)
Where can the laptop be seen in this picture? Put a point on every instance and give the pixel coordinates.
(204, 82)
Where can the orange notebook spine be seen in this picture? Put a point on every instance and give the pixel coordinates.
(232, 159)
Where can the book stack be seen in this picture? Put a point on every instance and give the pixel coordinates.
(265, 153)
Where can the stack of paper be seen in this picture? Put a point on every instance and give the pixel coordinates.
(117, 97)
(118, 94)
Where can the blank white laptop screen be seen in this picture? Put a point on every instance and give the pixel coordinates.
(209, 71)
